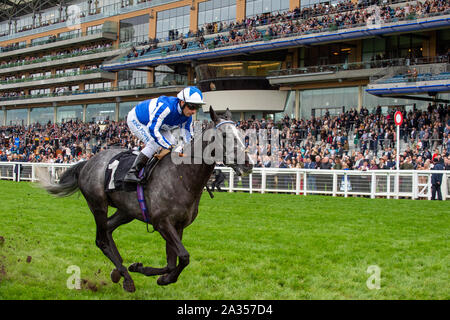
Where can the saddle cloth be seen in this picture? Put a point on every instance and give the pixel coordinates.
(117, 168)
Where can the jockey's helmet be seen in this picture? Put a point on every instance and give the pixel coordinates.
(192, 96)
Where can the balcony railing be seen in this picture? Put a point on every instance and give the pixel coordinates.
(100, 90)
(52, 40)
(57, 57)
(400, 62)
(55, 76)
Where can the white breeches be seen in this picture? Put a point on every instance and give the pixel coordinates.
(142, 132)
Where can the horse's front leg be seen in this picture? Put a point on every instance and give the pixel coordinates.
(174, 249)
(150, 271)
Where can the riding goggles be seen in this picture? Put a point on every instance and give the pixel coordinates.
(193, 106)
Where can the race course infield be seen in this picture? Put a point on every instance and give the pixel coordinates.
(242, 246)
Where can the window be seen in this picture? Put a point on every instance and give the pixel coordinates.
(16, 117)
(134, 30)
(255, 7)
(94, 29)
(41, 115)
(170, 24)
(216, 11)
(67, 113)
(100, 112)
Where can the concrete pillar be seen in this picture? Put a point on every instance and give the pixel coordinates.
(84, 112)
(297, 104)
(151, 25)
(116, 113)
(240, 10)
(55, 114)
(29, 116)
(193, 20)
(294, 4)
(360, 97)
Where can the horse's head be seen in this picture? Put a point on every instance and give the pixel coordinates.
(234, 151)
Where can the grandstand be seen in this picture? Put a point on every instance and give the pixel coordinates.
(92, 61)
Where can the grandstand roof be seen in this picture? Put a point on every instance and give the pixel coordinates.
(10, 9)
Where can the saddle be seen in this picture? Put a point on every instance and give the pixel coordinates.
(118, 167)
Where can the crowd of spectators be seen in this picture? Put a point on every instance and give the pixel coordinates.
(354, 140)
(67, 142)
(324, 142)
(316, 18)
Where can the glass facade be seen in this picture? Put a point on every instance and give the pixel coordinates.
(67, 113)
(41, 115)
(132, 78)
(100, 112)
(370, 102)
(134, 30)
(236, 69)
(16, 117)
(2, 117)
(168, 22)
(332, 98)
(255, 7)
(216, 11)
(124, 108)
(289, 107)
(311, 3)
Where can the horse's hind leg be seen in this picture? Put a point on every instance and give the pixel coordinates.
(116, 220)
(106, 244)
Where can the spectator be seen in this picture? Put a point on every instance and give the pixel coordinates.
(436, 180)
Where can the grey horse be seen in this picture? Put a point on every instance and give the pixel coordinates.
(172, 194)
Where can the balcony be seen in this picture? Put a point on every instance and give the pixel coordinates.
(111, 94)
(417, 79)
(166, 55)
(58, 43)
(62, 60)
(349, 71)
(95, 75)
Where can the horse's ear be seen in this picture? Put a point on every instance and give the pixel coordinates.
(228, 115)
(213, 115)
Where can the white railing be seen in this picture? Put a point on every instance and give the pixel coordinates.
(414, 184)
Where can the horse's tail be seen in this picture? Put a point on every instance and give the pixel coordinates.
(67, 185)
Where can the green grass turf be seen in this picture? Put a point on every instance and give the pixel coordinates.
(242, 246)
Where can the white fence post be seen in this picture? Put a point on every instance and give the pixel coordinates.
(305, 183)
(263, 181)
(397, 183)
(373, 186)
(388, 185)
(444, 187)
(334, 183)
(231, 184)
(297, 182)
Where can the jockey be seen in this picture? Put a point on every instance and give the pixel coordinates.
(152, 120)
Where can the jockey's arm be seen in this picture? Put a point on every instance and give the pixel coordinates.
(154, 127)
(188, 130)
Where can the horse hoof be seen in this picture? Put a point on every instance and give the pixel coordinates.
(135, 267)
(128, 285)
(163, 280)
(115, 276)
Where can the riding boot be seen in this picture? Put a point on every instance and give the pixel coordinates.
(133, 174)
